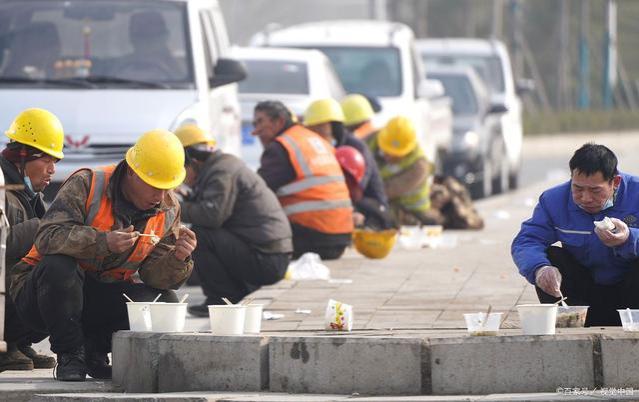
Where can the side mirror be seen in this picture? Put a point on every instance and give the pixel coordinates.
(375, 103)
(227, 71)
(430, 89)
(524, 86)
(497, 108)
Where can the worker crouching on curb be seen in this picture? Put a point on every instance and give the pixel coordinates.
(300, 167)
(244, 238)
(29, 159)
(111, 230)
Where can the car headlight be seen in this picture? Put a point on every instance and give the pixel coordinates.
(471, 139)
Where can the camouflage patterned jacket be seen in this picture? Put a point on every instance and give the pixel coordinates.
(63, 231)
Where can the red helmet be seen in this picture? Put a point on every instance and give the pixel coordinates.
(351, 161)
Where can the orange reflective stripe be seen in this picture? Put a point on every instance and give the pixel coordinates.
(318, 198)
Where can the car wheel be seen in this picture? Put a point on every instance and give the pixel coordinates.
(513, 180)
(483, 187)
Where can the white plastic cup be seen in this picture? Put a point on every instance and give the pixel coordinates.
(338, 316)
(227, 319)
(629, 319)
(139, 316)
(168, 317)
(538, 319)
(253, 319)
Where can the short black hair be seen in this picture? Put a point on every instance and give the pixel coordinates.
(274, 110)
(592, 158)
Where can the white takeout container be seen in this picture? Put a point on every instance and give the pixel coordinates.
(253, 319)
(168, 317)
(227, 319)
(537, 319)
(338, 316)
(139, 316)
(477, 327)
(571, 316)
(629, 319)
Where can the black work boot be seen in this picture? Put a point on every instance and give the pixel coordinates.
(14, 359)
(71, 366)
(39, 361)
(98, 365)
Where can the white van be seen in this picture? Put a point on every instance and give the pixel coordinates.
(114, 69)
(489, 58)
(295, 77)
(378, 59)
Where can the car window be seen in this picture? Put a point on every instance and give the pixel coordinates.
(275, 77)
(208, 58)
(460, 90)
(374, 71)
(487, 67)
(114, 42)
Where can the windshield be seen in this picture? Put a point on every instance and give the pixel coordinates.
(108, 43)
(459, 89)
(275, 77)
(374, 71)
(488, 67)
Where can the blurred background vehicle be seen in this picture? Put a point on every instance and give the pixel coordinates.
(294, 76)
(113, 69)
(478, 155)
(378, 59)
(489, 58)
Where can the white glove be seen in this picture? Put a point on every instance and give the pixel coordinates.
(548, 278)
(612, 237)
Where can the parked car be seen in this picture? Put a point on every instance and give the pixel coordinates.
(114, 69)
(378, 59)
(294, 76)
(490, 60)
(478, 156)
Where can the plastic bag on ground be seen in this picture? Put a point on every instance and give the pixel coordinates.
(308, 267)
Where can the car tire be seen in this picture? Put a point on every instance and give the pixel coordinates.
(483, 187)
(501, 181)
(513, 180)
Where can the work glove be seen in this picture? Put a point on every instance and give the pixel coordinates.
(548, 278)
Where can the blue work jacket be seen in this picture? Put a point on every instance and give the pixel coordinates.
(557, 218)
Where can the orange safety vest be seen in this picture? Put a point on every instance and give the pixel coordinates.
(318, 197)
(364, 130)
(100, 215)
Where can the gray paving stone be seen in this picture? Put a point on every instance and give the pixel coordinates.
(503, 364)
(205, 362)
(620, 355)
(346, 364)
(135, 361)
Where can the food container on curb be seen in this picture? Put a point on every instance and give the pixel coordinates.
(411, 238)
(571, 316)
(168, 317)
(227, 319)
(338, 316)
(537, 319)
(139, 316)
(629, 319)
(253, 319)
(478, 325)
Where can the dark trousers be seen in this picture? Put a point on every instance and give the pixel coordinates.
(75, 309)
(327, 246)
(16, 331)
(228, 267)
(579, 288)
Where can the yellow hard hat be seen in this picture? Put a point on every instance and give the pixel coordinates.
(40, 129)
(191, 134)
(158, 158)
(323, 111)
(357, 109)
(374, 244)
(398, 137)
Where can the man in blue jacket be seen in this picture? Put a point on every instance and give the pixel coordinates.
(596, 267)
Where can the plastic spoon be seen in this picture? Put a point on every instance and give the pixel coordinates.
(127, 297)
(482, 324)
(563, 303)
(227, 301)
(183, 299)
(156, 298)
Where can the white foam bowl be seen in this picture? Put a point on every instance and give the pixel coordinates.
(139, 316)
(537, 319)
(253, 319)
(168, 317)
(227, 319)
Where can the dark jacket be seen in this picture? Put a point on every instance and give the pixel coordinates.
(372, 183)
(229, 195)
(24, 208)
